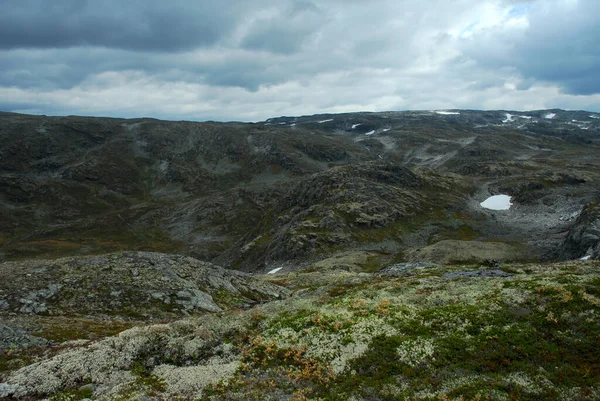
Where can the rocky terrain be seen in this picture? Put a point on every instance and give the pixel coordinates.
(166, 286)
(416, 331)
(318, 257)
(290, 189)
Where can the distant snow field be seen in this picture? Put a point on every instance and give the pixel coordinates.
(509, 118)
(497, 202)
(370, 132)
(596, 117)
(550, 116)
(525, 117)
(325, 121)
(275, 270)
(447, 113)
(355, 125)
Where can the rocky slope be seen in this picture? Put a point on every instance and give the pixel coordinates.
(387, 279)
(46, 302)
(583, 238)
(130, 284)
(417, 331)
(248, 195)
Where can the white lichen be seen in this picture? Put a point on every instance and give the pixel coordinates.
(416, 352)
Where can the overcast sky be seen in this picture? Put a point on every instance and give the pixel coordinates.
(251, 60)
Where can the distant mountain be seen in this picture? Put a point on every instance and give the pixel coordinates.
(293, 189)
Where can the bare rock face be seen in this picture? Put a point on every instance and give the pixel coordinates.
(344, 207)
(584, 236)
(130, 284)
(12, 337)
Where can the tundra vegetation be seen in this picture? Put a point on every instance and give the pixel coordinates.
(457, 332)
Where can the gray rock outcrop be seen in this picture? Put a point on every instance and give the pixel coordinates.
(583, 238)
(130, 284)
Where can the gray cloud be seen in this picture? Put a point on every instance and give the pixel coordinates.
(252, 60)
(559, 46)
(287, 30)
(134, 24)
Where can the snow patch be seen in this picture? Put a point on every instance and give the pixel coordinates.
(370, 132)
(525, 117)
(386, 129)
(550, 116)
(447, 113)
(587, 257)
(355, 125)
(581, 124)
(509, 118)
(497, 202)
(275, 270)
(596, 117)
(325, 121)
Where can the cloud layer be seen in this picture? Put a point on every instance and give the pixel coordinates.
(240, 60)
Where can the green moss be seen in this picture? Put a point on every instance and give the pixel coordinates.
(227, 300)
(73, 395)
(377, 367)
(145, 379)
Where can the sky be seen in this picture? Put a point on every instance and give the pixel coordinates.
(251, 60)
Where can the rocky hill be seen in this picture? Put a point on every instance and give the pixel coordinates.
(292, 189)
(139, 285)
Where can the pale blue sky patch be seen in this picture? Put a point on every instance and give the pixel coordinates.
(519, 10)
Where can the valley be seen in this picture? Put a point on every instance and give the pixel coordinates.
(427, 255)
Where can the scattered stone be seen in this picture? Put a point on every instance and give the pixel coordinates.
(404, 269)
(87, 387)
(14, 338)
(195, 299)
(491, 263)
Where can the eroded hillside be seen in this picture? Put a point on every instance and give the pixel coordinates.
(290, 190)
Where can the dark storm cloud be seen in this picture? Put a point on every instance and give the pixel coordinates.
(133, 24)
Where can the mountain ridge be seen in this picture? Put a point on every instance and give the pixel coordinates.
(94, 185)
